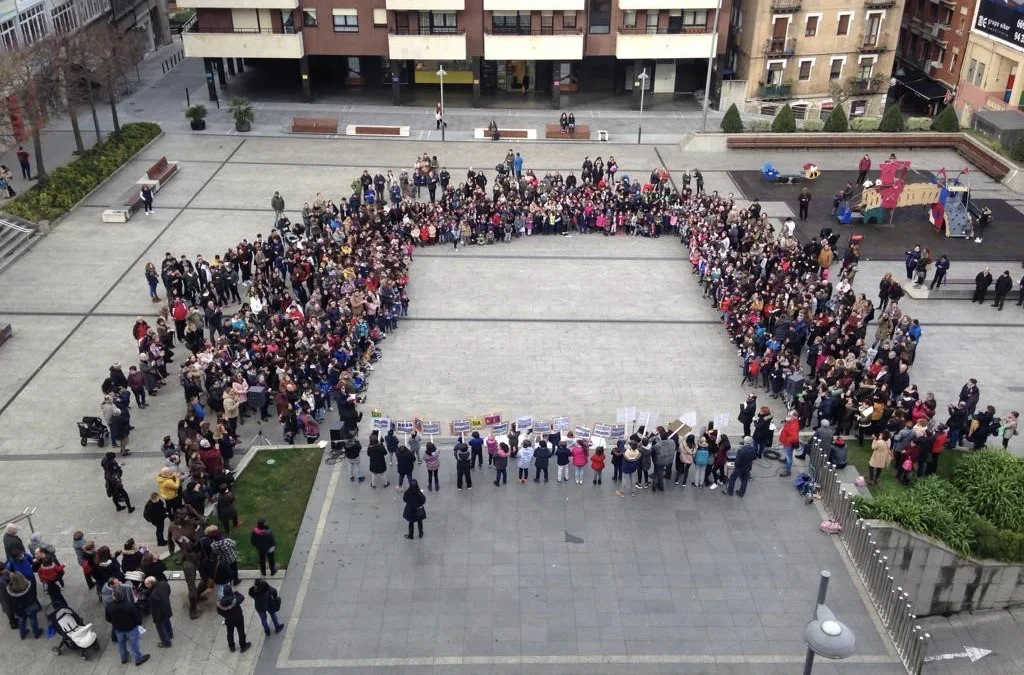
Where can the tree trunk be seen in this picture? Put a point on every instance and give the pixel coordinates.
(113, 112)
(95, 117)
(79, 144)
(37, 145)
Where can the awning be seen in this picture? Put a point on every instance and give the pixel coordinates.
(921, 85)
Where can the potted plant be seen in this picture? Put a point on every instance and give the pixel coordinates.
(241, 109)
(196, 115)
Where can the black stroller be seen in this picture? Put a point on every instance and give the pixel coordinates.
(73, 631)
(92, 427)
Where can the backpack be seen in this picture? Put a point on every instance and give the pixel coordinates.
(274, 601)
(702, 457)
(311, 427)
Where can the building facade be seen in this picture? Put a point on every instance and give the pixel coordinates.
(930, 51)
(811, 53)
(536, 47)
(23, 22)
(993, 62)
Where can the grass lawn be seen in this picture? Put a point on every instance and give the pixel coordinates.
(277, 492)
(858, 455)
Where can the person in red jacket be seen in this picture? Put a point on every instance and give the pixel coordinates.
(789, 437)
(938, 445)
(597, 464)
(862, 169)
(179, 312)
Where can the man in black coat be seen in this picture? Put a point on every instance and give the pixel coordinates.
(126, 618)
(230, 609)
(160, 610)
(981, 283)
(742, 467)
(747, 411)
(1004, 284)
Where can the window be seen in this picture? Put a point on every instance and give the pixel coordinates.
(309, 18)
(971, 67)
(652, 21)
(510, 23)
(844, 24)
(865, 65)
(547, 22)
(946, 18)
(775, 69)
(345, 20)
(600, 17)
(858, 108)
(805, 69)
(33, 24)
(695, 17)
(835, 68)
(569, 19)
(938, 54)
(812, 26)
(8, 35)
(287, 21)
(979, 76)
(438, 23)
(64, 19)
(952, 62)
(628, 19)
(826, 110)
(380, 17)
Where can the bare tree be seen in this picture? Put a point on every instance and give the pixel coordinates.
(111, 54)
(28, 73)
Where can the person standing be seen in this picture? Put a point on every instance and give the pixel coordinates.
(160, 610)
(24, 603)
(517, 166)
(862, 169)
(225, 551)
(378, 456)
(789, 438)
(881, 457)
(499, 460)
(432, 460)
(747, 411)
(664, 456)
(155, 513)
(353, 448)
(405, 462)
(910, 260)
(541, 458)
(805, 202)
(414, 511)
(463, 464)
(262, 539)
(922, 268)
(741, 471)
(125, 617)
(981, 283)
(630, 464)
(26, 166)
(562, 456)
(5, 175)
(438, 115)
(112, 472)
(146, 194)
(1004, 284)
(1010, 427)
(267, 602)
(941, 267)
(230, 609)
(597, 464)
(579, 460)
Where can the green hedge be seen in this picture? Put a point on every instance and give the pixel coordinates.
(731, 122)
(837, 122)
(978, 511)
(63, 188)
(785, 121)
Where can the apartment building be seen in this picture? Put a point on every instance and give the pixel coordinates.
(543, 47)
(25, 21)
(930, 51)
(990, 72)
(809, 52)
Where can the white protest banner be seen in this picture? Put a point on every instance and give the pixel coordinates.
(460, 426)
(560, 424)
(405, 426)
(499, 429)
(602, 430)
(721, 420)
(541, 426)
(582, 432)
(432, 428)
(381, 423)
(524, 422)
(619, 431)
(689, 418)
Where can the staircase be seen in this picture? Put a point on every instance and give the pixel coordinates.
(17, 237)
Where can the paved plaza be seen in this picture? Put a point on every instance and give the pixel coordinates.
(521, 579)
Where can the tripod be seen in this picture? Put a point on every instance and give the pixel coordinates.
(260, 438)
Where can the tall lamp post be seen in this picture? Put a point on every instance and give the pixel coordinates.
(642, 79)
(824, 634)
(440, 78)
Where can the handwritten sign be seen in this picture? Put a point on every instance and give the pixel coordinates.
(523, 423)
(459, 426)
(602, 430)
(560, 424)
(376, 413)
(721, 420)
(499, 429)
(582, 432)
(381, 423)
(625, 415)
(405, 426)
(689, 418)
(430, 428)
(648, 420)
(619, 431)
(542, 426)
(492, 419)
(476, 423)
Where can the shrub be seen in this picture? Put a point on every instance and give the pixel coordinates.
(52, 198)
(758, 125)
(785, 121)
(919, 123)
(837, 122)
(892, 120)
(1017, 151)
(993, 483)
(813, 125)
(864, 124)
(946, 121)
(931, 506)
(991, 542)
(731, 122)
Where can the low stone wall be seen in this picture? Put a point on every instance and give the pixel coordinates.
(942, 581)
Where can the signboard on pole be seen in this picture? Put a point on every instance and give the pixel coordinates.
(618, 431)
(582, 432)
(524, 422)
(382, 423)
(542, 426)
(560, 423)
(1001, 20)
(500, 429)
(405, 426)
(459, 427)
(492, 419)
(602, 430)
(431, 428)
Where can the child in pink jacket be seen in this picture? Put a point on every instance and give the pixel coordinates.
(579, 459)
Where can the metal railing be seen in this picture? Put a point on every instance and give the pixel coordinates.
(427, 30)
(665, 30)
(893, 604)
(779, 46)
(787, 5)
(773, 92)
(17, 228)
(284, 30)
(24, 515)
(530, 30)
(874, 42)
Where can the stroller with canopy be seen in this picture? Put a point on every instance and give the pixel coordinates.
(73, 631)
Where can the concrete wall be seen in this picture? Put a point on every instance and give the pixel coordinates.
(943, 582)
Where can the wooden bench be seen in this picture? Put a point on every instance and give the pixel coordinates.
(131, 202)
(5, 333)
(582, 132)
(983, 158)
(375, 130)
(521, 134)
(314, 125)
(957, 288)
(159, 174)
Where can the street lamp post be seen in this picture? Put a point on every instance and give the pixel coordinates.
(824, 634)
(440, 77)
(642, 79)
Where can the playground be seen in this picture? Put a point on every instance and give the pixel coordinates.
(910, 225)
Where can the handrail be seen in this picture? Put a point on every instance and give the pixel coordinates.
(663, 30)
(427, 31)
(15, 226)
(24, 515)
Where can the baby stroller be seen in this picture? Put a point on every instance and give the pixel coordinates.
(74, 633)
(807, 484)
(136, 579)
(92, 427)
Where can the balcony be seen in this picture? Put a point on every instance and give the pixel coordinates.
(641, 43)
(237, 4)
(872, 43)
(785, 6)
(779, 46)
(533, 5)
(660, 4)
(879, 4)
(427, 46)
(773, 92)
(425, 5)
(518, 44)
(866, 86)
(248, 43)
